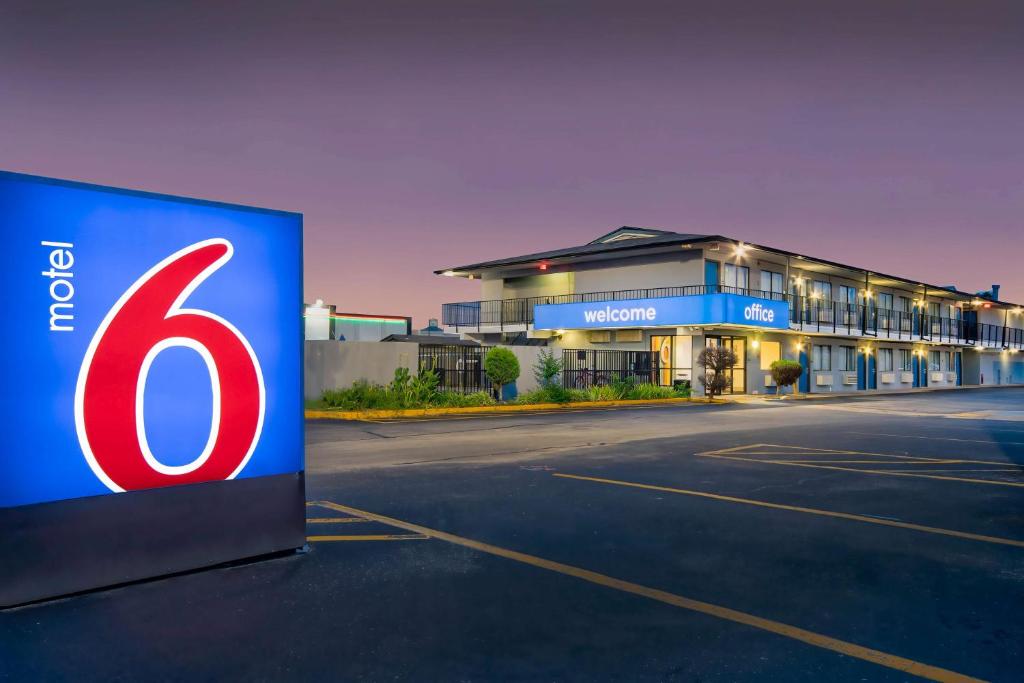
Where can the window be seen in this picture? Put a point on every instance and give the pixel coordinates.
(771, 284)
(770, 352)
(949, 361)
(737, 277)
(903, 304)
(885, 360)
(885, 301)
(906, 362)
(885, 311)
(934, 361)
(848, 354)
(821, 357)
(822, 291)
(933, 309)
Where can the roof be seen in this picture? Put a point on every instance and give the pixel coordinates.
(430, 339)
(620, 239)
(628, 238)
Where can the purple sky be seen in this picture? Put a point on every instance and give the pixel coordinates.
(424, 134)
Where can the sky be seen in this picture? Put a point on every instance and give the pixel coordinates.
(417, 135)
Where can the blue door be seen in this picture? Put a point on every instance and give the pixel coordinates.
(805, 376)
(915, 367)
(862, 371)
(924, 372)
(958, 359)
(711, 276)
(872, 374)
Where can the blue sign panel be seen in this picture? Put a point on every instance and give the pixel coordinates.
(706, 309)
(149, 341)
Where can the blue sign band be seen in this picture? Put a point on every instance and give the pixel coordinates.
(151, 341)
(705, 309)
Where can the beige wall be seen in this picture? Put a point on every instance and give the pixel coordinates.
(337, 365)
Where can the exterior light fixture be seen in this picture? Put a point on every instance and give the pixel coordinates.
(449, 273)
(543, 266)
(868, 293)
(559, 332)
(799, 346)
(741, 249)
(755, 344)
(470, 276)
(986, 305)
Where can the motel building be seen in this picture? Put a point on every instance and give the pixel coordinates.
(643, 303)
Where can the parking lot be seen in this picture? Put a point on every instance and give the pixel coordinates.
(875, 538)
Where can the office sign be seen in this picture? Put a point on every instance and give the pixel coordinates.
(151, 342)
(706, 309)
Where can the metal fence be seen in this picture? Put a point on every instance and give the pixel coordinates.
(584, 368)
(459, 368)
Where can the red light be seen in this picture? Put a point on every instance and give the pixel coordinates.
(986, 305)
(543, 266)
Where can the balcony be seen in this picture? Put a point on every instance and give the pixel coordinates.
(806, 314)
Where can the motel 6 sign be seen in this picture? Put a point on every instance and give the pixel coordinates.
(149, 341)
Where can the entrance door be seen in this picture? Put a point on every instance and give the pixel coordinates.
(736, 376)
(711, 277)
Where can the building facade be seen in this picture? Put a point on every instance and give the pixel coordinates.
(643, 303)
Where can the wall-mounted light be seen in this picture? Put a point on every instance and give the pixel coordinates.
(799, 346)
(741, 249)
(868, 293)
(755, 344)
(543, 266)
(559, 332)
(449, 273)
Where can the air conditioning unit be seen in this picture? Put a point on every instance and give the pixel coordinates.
(768, 381)
(629, 336)
(888, 377)
(600, 337)
(907, 377)
(823, 380)
(849, 378)
(950, 376)
(936, 377)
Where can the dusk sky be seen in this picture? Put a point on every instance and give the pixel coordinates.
(424, 134)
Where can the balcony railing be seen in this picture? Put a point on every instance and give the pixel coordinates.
(806, 314)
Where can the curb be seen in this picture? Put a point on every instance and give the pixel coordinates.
(478, 410)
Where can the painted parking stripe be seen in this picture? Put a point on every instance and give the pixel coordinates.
(335, 520)
(941, 438)
(793, 508)
(368, 537)
(791, 463)
(908, 666)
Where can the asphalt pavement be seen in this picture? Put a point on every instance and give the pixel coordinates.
(876, 538)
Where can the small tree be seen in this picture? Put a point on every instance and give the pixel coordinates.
(547, 368)
(786, 373)
(501, 367)
(715, 360)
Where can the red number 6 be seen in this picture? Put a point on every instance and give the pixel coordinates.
(147, 319)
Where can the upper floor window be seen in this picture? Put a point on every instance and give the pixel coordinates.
(847, 295)
(884, 301)
(737, 277)
(822, 291)
(771, 283)
(903, 304)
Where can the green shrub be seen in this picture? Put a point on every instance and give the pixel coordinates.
(647, 392)
(501, 367)
(786, 372)
(451, 399)
(547, 368)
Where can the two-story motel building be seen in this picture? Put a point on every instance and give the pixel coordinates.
(644, 302)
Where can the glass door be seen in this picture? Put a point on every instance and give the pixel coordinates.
(736, 376)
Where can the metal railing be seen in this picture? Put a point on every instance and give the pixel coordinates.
(807, 314)
(585, 368)
(459, 368)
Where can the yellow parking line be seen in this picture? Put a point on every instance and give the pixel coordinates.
(827, 451)
(884, 472)
(335, 520)
(943, 438)
(375, 537)
(885, 659)
(810, 511)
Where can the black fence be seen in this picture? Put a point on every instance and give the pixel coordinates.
(585, 368)
(459, 368)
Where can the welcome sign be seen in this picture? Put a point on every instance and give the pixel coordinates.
(706, 309)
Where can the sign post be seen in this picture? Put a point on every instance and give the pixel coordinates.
(152, 365)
